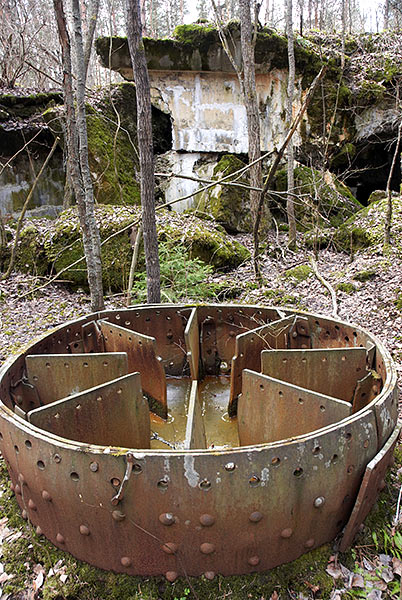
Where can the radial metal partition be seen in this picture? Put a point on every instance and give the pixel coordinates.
(198, 439)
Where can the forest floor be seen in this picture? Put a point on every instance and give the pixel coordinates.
(369, 293)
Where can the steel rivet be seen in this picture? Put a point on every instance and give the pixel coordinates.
(309, 543)
(207, 548)
(84, 530)
(38, 531)
(32, 505)
(171, 576)
(46, 496)
(167, 518)
(230, 466)
(209, 575)
(254, 561)
(320, 501)
(57, 458)
(24, 514)
(286, 533)
(118, 515)
(207, 520)
(125, 561)
(255, 517)
(60, 538)
(17, 489)
(94, 467)
(170, 548)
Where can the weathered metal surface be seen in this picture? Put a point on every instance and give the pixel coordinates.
(373, 482)
(92, 338)
(192, 337)
(166, 323)
(57, 376)
(248, 350)
(222, 509)
(195, 433)
(366, 390)
(271, 410)
(299, 334)
(293, 495)
(142, 358)
(112, 414)
(334, 372)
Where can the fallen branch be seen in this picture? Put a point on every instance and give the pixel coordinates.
(24, 210)
(328, 286)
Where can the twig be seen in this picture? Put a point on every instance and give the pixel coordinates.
(133, 265)
(24, 209)
(328, 286)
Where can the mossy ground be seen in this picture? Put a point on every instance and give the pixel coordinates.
(61, 245)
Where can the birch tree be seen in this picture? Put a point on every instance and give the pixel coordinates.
(77, 148)
(145, 147)
(290, 207)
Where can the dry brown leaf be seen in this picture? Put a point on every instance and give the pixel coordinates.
(274, 595)
(334, 571)
(357, 581)
(397, 566)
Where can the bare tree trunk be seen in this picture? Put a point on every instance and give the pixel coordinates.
(388, 215)
(290, 206)
(343, 33)
(143, 16)
(144, 131)
(77, 146)
(386, 14)
(93, 17)
(253, 118)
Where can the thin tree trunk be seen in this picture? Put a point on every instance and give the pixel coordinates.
(144, 132)
(343, 33)
(290, 206)
(253, 118)
(388, 215)
(93, 17)
(386, 14)
(76, 148)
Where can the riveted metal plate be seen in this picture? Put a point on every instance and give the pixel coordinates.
(271, 410)
(195, 433)
(192, 337)
(142, 358)
(249, 346)
(366, 390)
(164, 322)
(112, 414)
(92, 338)
(57, 376)
(334, 372)
(373, 482)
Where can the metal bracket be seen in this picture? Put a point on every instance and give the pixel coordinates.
(129, 469)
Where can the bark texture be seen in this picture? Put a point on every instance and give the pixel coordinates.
(253, 118)
(144, 132)
(290, 206)
(77, 148)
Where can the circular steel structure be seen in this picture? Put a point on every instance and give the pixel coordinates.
(196, 439)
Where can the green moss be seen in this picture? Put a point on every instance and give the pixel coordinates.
(346, 286)
(23, 106)
(398, 301)
(229, 205)
(365, 275)
(299, 273)
(203, 240)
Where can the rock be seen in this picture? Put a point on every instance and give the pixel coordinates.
(61, 245)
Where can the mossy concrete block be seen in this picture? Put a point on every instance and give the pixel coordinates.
(230, 205)
(203, 240)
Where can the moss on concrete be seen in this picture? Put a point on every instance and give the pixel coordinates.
(229, 205)
(202, 240)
